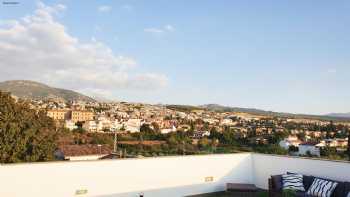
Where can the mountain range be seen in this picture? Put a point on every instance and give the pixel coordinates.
(330, 116)
(343, 115)
(26, 89)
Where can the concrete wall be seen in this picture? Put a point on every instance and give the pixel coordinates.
(266, 165)
(155, 177)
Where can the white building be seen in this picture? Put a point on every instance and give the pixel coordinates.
(133, 125)
(70, 125)
(226, 121)
(103, 124)
(201, 134)
(309, 148)
(168, 130)
(290, 141)
(90, 126)
(116, 125)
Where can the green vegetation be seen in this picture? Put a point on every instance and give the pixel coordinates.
(183, 108)
(29, 135)
(26, 135)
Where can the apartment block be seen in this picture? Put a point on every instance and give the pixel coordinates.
(81, 116)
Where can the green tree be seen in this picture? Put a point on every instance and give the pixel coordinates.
(26, 135)
(145, 128)
(203, 143)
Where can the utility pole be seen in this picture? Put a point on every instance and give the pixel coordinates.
(183, 147)
(115, 142)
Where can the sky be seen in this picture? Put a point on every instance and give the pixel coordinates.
(286, 56)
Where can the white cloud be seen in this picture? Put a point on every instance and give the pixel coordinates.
(127, 7)
(332, 71)
(154, 30)
(161, 30)
(169, 28)
(104, 8)
(38, 47)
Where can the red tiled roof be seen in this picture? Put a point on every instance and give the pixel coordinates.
(86, 149)
(309, 143)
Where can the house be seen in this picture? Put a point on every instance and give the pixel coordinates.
(58, 114)
(70, 125)
(201, 134)
(90, 126)
(103, 124)
(168, 130)
(335, 142)
(133, 125)
(290, 141)
(84, 152)
(309, 148)
(81, 115)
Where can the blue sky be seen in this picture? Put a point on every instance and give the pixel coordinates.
(290, 56)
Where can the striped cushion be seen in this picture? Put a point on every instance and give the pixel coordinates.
(293, 182)
(322, 188)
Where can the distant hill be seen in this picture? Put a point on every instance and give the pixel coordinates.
(328, 117)
(340, 115)
(34, 90)
(216, 107)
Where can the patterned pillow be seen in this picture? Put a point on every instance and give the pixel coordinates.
(293, 182)
(322, 188)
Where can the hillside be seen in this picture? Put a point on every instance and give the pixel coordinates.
(34, 90)
(328, 117)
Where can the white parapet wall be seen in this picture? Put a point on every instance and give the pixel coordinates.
(155, 177)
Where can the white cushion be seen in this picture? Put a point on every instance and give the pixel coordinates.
(293, 182)
(322, 188)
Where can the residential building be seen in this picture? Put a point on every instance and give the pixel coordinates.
(58, 114)
(309, 148)
(168, 130)
(84, 152)
(133, 125)
(70, 125)
(81, 116)
(90, 126)
(290, 141)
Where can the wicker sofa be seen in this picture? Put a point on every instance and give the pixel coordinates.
(275, 187)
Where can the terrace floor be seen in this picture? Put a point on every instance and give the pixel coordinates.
(228, 194)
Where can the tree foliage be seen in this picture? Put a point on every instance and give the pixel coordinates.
(26, 135)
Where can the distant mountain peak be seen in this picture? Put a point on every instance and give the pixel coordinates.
(339, 115)
(27, 89)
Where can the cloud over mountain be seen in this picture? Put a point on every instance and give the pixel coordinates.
(38, 47)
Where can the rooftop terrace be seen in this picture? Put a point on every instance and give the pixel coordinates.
(157, 177)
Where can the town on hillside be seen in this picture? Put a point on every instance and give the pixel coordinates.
(122, 129)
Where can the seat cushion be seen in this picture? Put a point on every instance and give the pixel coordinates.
(301, 194)
(307, 180)
(346, 188)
